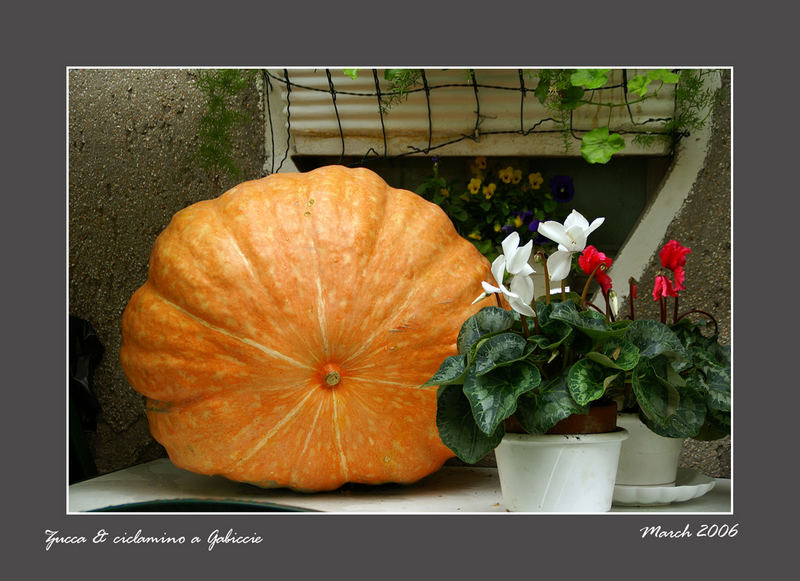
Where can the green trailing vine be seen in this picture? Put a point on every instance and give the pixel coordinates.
(562, 91)
(220, 118)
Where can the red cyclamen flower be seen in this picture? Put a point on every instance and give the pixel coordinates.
(589, 259)
(663, 288)
(673, 257)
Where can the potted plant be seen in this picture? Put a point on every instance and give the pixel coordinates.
(527, 368)
(661, 417)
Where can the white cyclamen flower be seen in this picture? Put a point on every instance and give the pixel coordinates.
(571, 238)
(514, 260)
(499, 273)
(522, 286)
(517, 258)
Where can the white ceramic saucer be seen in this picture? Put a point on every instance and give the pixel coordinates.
(689, 484)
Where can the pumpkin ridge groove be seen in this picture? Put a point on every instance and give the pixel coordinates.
(399, 313)
(245, 340)
(275, 429)
(300, 458)
(338, 434)
(223, 219)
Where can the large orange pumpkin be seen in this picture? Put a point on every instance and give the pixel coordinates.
(285, 328)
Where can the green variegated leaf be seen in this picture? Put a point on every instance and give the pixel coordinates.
(668, 410)
(486, 321)
(656, 398)
(617, 354)
(540, 409)
(553, 334)
(589, 322)
(686, 421)
(457, 428)
(586, 381)
(716, 426)
(499, 350)
(493, 397)
(718, 382)
(452, 370)
(653, 338)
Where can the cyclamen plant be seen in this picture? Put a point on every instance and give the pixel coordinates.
(543, 360)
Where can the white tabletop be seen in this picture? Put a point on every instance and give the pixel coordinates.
(453, 489)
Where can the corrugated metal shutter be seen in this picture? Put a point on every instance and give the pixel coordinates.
(449, 113)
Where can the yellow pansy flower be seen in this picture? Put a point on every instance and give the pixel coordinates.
(475, 235)
(517, 221)
(488, 191)
(445, 192)
(480, 162)
(474, 185)
(497, 228)
(516, 176)
(506, 174)
(536, 180)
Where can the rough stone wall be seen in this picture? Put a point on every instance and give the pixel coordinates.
(704, 225)
(132, 138)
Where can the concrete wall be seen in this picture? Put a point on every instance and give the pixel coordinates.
(132, 138)
(132, 135)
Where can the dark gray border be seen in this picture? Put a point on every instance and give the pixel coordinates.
(372, 34)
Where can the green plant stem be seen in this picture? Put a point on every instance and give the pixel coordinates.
(675, 310)
(543, 258)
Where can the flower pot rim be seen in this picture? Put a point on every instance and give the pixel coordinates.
(549, 439)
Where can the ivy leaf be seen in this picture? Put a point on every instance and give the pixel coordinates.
(597, 146)
(589, 78)
(457, 428)
(571, 97)
(541, 91)
(452, 370)
(663, 75)
(493, 397)
(638, 85)
(352, 73)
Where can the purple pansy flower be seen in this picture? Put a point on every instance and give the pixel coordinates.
(562, 188)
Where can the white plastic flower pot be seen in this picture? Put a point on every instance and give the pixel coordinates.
(646, 459)
(559, 473)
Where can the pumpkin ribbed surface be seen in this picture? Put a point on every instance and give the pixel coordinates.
(285, 328)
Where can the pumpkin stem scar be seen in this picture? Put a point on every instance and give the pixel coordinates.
(330, 374)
